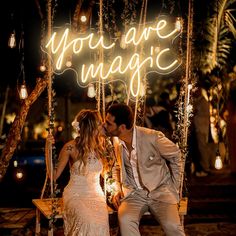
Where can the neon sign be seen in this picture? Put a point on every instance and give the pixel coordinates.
(119, 64)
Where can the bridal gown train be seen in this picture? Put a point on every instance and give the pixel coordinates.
(85, 210)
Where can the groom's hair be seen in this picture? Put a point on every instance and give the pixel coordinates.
(123, 114)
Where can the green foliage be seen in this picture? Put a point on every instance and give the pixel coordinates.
(219, 33)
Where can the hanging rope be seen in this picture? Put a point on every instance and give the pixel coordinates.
(185, 112)
(142, 23)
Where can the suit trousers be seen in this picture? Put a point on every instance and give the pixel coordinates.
(137, 203)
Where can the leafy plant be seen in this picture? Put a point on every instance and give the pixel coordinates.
(219, 33)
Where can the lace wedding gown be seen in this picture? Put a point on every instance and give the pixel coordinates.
(85, 210)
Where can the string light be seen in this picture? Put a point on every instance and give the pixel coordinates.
(42, 68)
(23, 91)
(68, 63)
(178, 24)
(19, 174)
(123, 44)
(91, 91)
(12, 40)
(218, 161)
(83, 18)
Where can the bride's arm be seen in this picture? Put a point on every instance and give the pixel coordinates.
(62, 160)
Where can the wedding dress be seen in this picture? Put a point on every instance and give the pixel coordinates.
(84, 207)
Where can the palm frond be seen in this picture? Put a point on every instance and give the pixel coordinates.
(218, 29)
(230, 21)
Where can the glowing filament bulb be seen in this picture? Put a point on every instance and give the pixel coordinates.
(68, 63)
(83, 18)
(178, 24)
(91, 91)
(12, 40)
(23, 92)
(19, 175)
(218, 163)
(42, 68)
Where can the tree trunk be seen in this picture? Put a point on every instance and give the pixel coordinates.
(14, 135)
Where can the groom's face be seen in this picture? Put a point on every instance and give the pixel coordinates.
(111, 127)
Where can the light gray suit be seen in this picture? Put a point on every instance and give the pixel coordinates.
(160, 182)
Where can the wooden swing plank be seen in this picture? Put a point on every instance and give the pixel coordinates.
(45, 206)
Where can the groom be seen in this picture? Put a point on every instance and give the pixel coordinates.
(148, 173)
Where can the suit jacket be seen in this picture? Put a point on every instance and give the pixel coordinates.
(159, 165)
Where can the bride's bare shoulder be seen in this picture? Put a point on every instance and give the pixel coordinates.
(70, 146)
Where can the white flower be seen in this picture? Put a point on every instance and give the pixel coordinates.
(75, 125)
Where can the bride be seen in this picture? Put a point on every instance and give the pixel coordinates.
(84, 205)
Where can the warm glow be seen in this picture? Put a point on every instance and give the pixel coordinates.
(23, 92)
(15, 163)
(59, 128)
(160, 60)
(178, 24)
(83, 19)
(19, 174)
(42, 68)
(91, 91)
(12, 40)
(76, 44)
(134, 65)
(218, 163)
(132, 37)
(122, 42)
(68, 63)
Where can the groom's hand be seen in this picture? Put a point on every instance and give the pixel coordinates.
(116, 199)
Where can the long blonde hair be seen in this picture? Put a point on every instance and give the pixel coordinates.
(90, 139)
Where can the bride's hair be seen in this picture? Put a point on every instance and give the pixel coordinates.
(90, 139)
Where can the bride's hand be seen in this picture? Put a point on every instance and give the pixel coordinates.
(50, 139)
(116, 199)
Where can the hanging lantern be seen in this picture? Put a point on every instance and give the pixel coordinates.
(23, 91)
(12, 40)
(218, 161)
(91, 91)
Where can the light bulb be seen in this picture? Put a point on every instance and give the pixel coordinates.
(12, 40)
(23, 92)
(123, 45)
(178, 24)
(69, 63)
(19, 174)
(83, 18)
(91, 91)
(15, 163)
(42, 68)
(218, 162)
